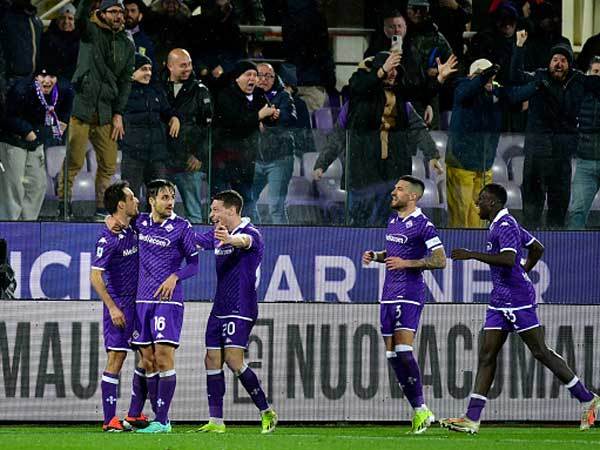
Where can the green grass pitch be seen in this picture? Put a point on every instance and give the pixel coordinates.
(287, 437)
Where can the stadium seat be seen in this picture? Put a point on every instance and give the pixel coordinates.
(55, 157)
(302, 203)
(514, 200)
(92, 163)
(516, 169)
(323, 119)
(83, 187)
(308, 162)
(297, 171)
(431, 198)
(418, 167)
(441, 140)
(499, 171)
(510, 145)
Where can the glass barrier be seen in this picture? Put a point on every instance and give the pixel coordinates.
(331, 176)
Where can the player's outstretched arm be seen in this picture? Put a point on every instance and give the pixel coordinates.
(506, 258)
(116, 315)
(536, 250)
(237, 240)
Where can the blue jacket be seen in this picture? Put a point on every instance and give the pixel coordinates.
(25, 113)
(277, 141)
(588, 146)
(144, 120)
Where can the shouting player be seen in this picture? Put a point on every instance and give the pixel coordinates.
(165, 240)
(412, 246)
(114, 277)
(511, 309)
(238, 248)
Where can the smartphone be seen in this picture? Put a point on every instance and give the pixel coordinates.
(396, 44)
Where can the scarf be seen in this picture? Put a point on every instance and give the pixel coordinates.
(51, 119)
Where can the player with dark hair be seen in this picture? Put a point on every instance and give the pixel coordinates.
(410, 237)
(165, 240)
(512, 309)
(114, 277)
(238, 248)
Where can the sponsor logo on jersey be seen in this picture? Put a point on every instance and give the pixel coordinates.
(130, 251)
(155, 240)
(398, 238)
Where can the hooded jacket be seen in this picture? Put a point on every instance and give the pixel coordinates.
(102, 80)
(60, 50)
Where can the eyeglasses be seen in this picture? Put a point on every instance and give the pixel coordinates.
(267, 76)
(115, 12)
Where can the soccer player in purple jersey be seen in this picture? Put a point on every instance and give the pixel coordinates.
(114, 277)
(512, 308)
(412, 246)
(165, 240)
(238, 248)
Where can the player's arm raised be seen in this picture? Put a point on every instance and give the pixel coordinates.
(506, 258)
(535, 252)
(116, 315)
(236, 240)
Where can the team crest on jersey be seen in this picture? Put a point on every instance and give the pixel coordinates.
(169, 228)
(397, 238)
(488, 246)
(121, 236)
(145, 223)
(409, 224)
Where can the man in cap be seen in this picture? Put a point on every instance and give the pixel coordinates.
(60, 44)
(38, 110)
(102, 84)
(551, 134)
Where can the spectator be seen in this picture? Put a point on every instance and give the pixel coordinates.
(60, 44)
(250, 12)
(168, 27)
(275, 158)
(545, 34)
(36, 107)
(472, 140)
(303, 137)
(384, 131)
(20, 37)
(102, 84)
(394, 24)
(188, 152)
(306, 45)
(551, 135)
(591, 48)
(452, 17)
(144, 142)
(587, 174)
(424, 43)
(240, 108)
(134, 14)
(216, 42)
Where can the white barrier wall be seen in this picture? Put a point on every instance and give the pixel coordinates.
(318, 362)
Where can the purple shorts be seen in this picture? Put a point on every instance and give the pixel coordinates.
(115, 338)
(399, 316)
(158, 322)
(227, 332)
(511, 319)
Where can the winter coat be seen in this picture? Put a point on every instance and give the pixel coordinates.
(366, 165)
(236, 124)
(20, 37)
(552, 124)
(589, 128)
(146, 113)
(102, 80)
(278, 140)
(25, 113)
(60, 50)
(195, 110)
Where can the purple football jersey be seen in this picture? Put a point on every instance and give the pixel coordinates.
(409, 238)
(511, 285)
(163, 248)
(117, 256)
(236, 272)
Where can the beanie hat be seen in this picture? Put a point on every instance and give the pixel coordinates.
(563, 49)
(68, 8)
(105, 4)
(141, 60)
(241, 67)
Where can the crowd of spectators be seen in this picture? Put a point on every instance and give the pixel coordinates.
(180, 92)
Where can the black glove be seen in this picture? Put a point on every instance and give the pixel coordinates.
(490, 72)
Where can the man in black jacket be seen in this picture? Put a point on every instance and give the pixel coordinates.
(551, 134)
(190, 99)
(37, 108)
(240, 109)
